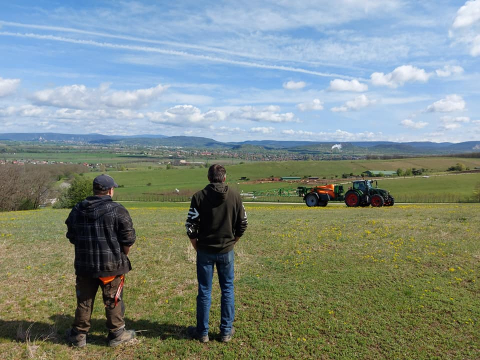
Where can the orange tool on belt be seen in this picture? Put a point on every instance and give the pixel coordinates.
(108, 279)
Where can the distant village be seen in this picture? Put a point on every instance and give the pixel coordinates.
(174, 156)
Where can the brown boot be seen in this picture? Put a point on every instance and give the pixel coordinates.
(120, 336)
(76, 339)
(227, 337)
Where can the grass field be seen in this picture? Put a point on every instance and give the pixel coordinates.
(318, 283)
(77, 156)
(160, 184)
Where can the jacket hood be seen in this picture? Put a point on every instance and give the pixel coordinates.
(94, 206)
(217, 193)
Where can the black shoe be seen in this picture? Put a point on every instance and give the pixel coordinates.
(193, 334)
(76, 339)
(122, 337)
(227, 337)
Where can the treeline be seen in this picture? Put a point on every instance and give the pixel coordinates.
(473, 155)
(390, 157)
(26, 187)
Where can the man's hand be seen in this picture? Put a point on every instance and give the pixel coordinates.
(236, 239)
(126, 249)
(194, 243)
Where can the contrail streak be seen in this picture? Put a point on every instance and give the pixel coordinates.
(171, 52)
(123, 37)
(150, 41)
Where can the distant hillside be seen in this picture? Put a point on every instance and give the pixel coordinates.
(178, 141)
(83, 138)
(300, 147)
(55, 137)
(468, 146)
(396, 148)
(273, 144)
(250, 148)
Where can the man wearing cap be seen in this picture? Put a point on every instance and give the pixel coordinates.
(102, 232)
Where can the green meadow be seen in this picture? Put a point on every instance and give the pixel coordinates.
(437, 185)
(75, 156)
(311, 283)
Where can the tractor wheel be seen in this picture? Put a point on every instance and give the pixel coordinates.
(352, 199)
(390, 201)
(377, 201)
(322, 203)
(311, 199)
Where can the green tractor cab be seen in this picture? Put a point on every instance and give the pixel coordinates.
(363, 193)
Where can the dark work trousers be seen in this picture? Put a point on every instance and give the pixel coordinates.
(86, 291)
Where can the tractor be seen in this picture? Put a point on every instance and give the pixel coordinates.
(320, 195)
(362, 193)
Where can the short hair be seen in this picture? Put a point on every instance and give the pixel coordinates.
(98, 191)
(216, 173)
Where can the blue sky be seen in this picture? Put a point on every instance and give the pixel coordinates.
(343, 70)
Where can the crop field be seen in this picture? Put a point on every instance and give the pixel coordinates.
(316, 283)
(160, 184)
(74, 157)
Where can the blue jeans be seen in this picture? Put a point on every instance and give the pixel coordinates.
(205, 264)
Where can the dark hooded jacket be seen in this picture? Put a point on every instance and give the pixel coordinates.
(215, 218)
(99, 228)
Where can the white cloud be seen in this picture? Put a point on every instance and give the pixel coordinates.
(121, 99)
(181, 115)
(475, 50)
(222, 130)
(358, 103)
(24, 111)
(337, 135)
(292, 85)
(408, 123)
(77, 117)
(106, 114)
(171, 97)
(449, 70)
(468, 14)
(272, 108)
(286, 15)
(46, 125)
(466, 24)
(348, 136)
(8, 86)
(73, 96)
(450, 126)
(315, 104)
(450, 123)
(81, 97)
(459, 119)
(262, 130)
(400, 76)
(297, 132)
(186, 114)
(346, 85)
(449, 104)
(268, 114)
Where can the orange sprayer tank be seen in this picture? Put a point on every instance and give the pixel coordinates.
(325, 189)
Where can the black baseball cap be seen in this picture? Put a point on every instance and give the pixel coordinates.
(104, 182)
